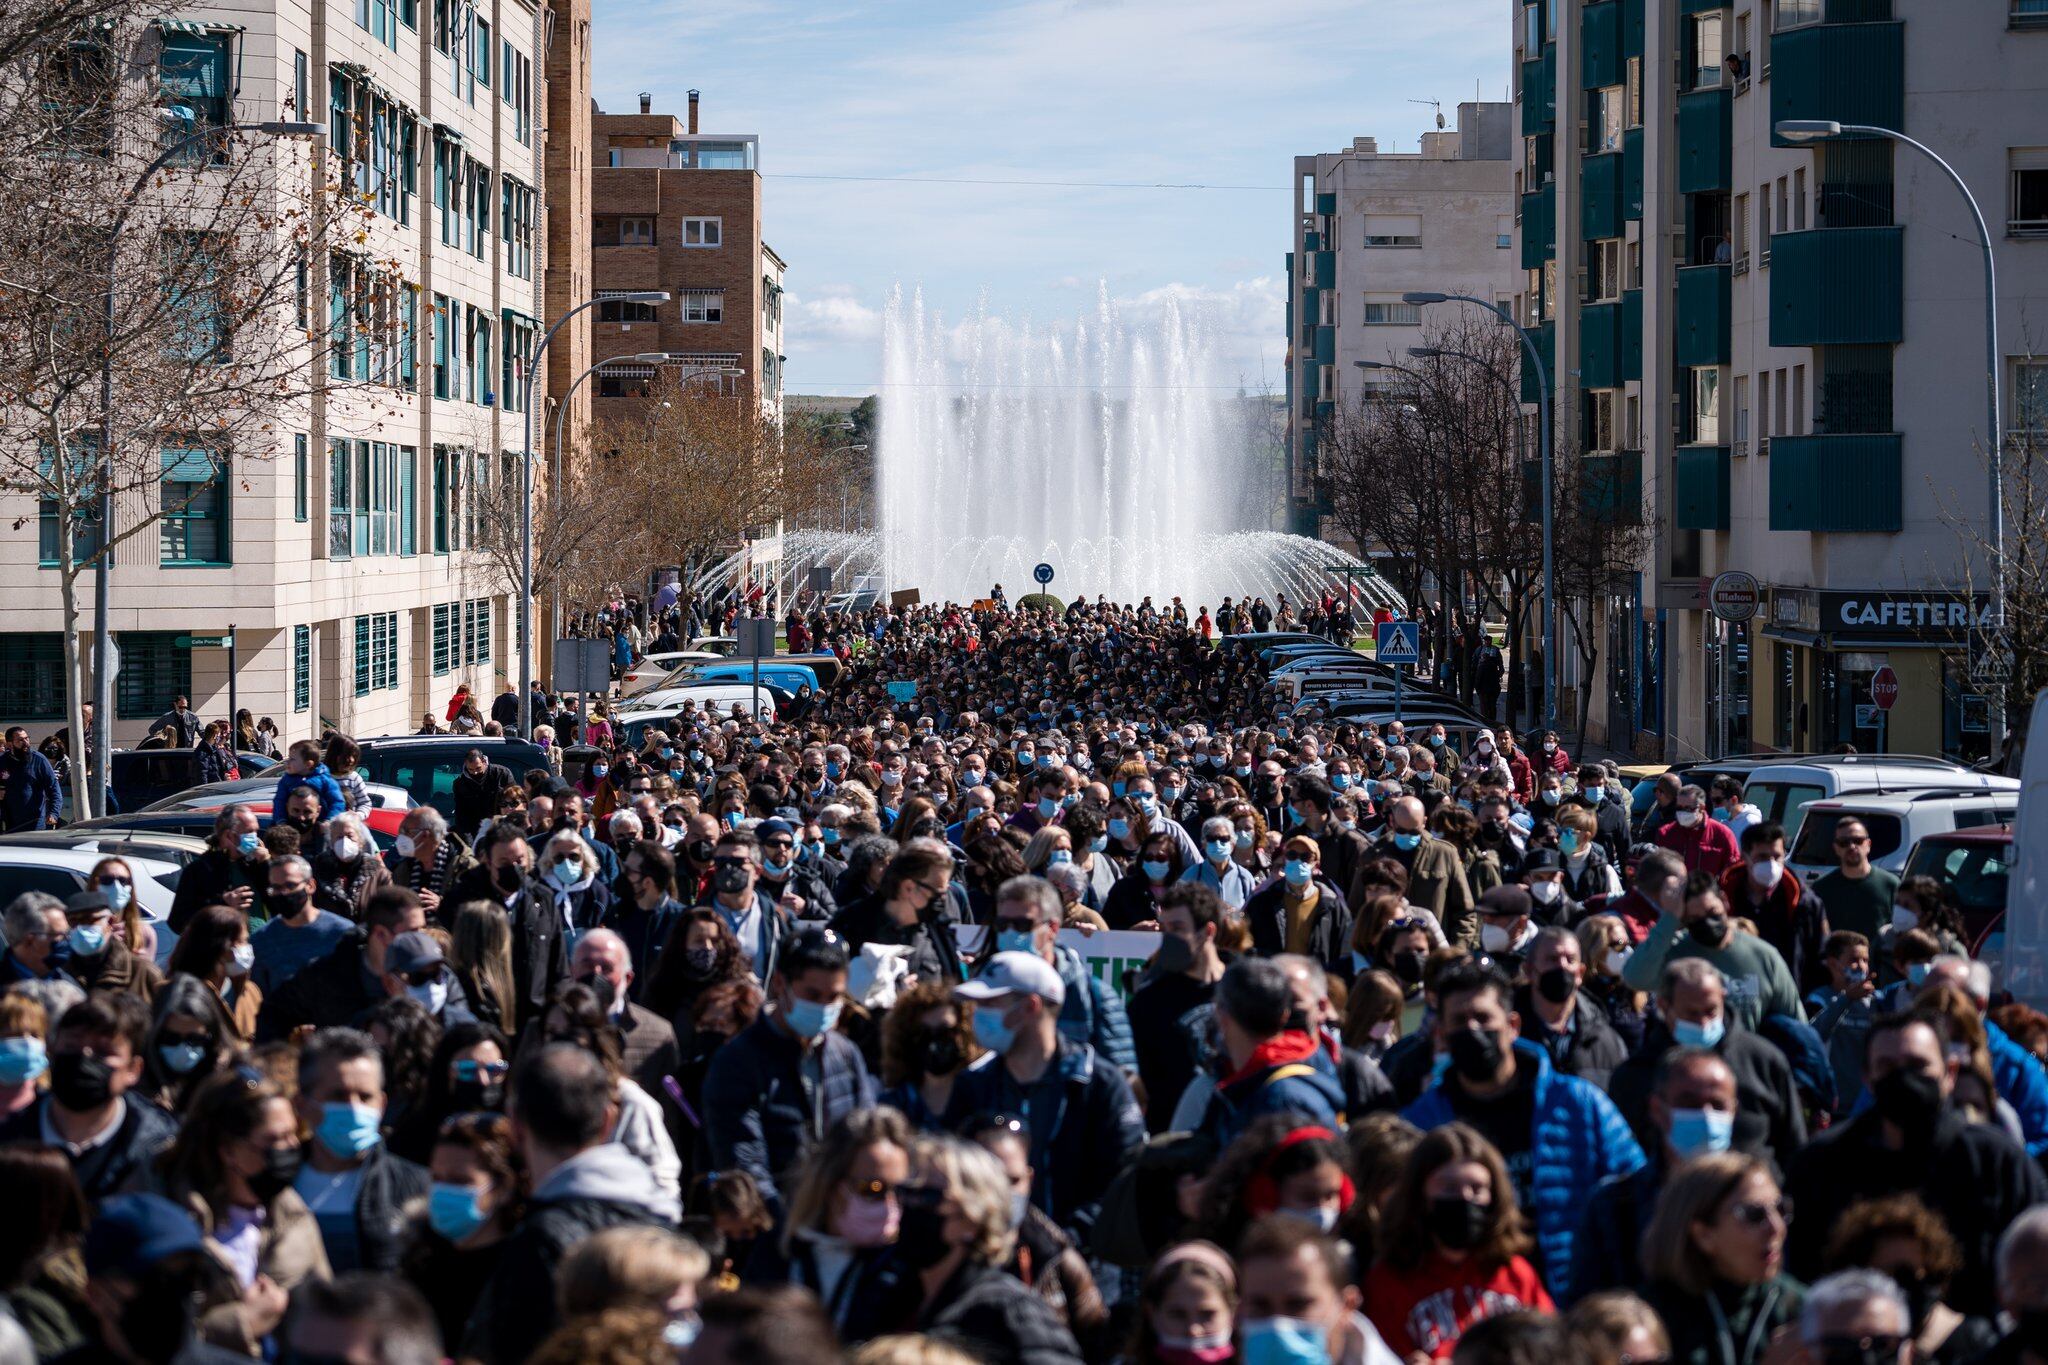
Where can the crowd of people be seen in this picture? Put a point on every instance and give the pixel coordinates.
(788, 1042)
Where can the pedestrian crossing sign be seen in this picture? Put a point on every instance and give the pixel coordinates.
(1399, 642)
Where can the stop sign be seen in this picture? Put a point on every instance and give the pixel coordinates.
(1884, 688)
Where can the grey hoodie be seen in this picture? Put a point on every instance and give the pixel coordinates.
(612, 1175)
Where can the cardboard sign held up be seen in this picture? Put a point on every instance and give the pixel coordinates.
(905, 597)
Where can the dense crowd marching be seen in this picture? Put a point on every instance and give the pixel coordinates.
(788, 1042)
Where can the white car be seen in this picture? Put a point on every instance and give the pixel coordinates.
(653, 670)
(1781, 791)
(63, 873)
(719, 697)
(1896, 822)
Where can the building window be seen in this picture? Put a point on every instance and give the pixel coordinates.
(703, 305)
(482, 53)
(1603, 269)
(376, 141)
(1393, 229)
(443, 631)
(194, 529)
(302, 668)
(369, 498)
(1707, 50)
(32, 684)
(155, 671)
(1794, 13)
(1634, 90)
(703, 231)
(1387, 310)
(478, 355)
(515, 221)
(1598, 428)
(1504, 232)
(302, 84)
(301, 476)
(1706, 406)
(1609, 114)
(518, 341)
(442, 320)
(2029, 415)
(2029, 13)
(2028, 214)
(85, 526)
(376, 653)
(193, 73)
(624, 310)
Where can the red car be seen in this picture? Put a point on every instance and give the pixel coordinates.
(1973, 866)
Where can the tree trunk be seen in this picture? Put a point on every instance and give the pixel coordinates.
(85, 801)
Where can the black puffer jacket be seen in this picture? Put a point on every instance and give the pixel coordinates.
(994, 1316)
(383, 1219)
(1591, 1051)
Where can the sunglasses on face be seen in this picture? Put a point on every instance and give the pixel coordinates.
(425, 976)
(1752, 1214)
(1023, 925)
(874, 1191)
(469, 1069)
(109, 879)
(779, 843)
(1851, 840)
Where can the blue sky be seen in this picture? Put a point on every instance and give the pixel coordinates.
(1211, 92)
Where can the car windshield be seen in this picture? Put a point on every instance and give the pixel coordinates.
(1816, 844)
(1976, 873)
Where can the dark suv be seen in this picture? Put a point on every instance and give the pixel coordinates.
(427, 765)
(140, 776)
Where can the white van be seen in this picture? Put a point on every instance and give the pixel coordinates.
(716, 697)
(1781, 790)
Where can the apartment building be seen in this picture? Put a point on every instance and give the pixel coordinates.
(1368, 226)
(1789, 338)
(679, 210)
(342, 559)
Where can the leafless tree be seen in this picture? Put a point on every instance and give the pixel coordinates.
(156, 329)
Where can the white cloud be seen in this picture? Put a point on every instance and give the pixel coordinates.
(837, 317)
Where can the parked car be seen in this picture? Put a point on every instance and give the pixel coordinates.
(1897, 821)
(158, 845)
(140, 776)
(214, 795)
(714, 696)
(62, 872)
(197, 822)
(631, 727)
(724, 646)
(1781, 785)
(426, 766)
(1974, 866)
(652, 670)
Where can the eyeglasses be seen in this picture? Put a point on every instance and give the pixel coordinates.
(425, 976)
(1851, 840)
(1753, 1214)
(778, 843)
(108, 879)
(1022, 925)
(470, 1069)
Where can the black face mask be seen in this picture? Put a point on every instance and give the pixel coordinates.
(2030, 1329)
(280, 1169)
(1174, 954)
(699, 850)
(1708, 931)
(510, 878)
(942, 1054)
(469, 1097)
(921, 1236)
(1408, 967)
(1909, 1099)
(1475, 1054)
(730, 881)
(1458, 1223)
(80, 1082)
(1921, 1297)
(1555, 985)
(285, 904)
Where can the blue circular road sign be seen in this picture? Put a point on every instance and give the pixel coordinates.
(1043, 573)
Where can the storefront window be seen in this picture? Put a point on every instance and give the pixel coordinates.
(1965, 713)
(1782, 698)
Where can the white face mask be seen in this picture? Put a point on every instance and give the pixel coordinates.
(1545, 892)
(1617, 958)
(1904, 919)
(1767, 873)
(1688, 818)
(346, 848)
(1495, 939)
(405, 846)
(433, 996)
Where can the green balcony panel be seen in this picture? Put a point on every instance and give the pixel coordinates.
(1699, 488)
(1600, 196)
(1705, 131)
(1539, 226)
(1326, 345)
(1631, 361)
(1547, 348)
(1600, 346)
(1836, 483)
(1632, 174)
(1847, 73)
(1631, 29)
(1701, 6)
(1326, 270)
(1611, 486)
(1539, 91)
(1326, 410)
(1702, 334)
(1326, 204)
(1837, 287)
(1311, 241)
(1290, 266)
(1600, 45)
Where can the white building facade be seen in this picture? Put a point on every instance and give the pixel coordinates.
(341, 558)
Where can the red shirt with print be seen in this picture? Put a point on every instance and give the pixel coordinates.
(1428, 1308)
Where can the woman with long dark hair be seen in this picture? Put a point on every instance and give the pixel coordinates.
(188, 1042)
(702, 952)
(466, 1076)
(214, 949)
(472, 1208)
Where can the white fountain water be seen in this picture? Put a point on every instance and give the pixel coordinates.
(1112, 450)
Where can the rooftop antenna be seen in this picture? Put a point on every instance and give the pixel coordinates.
(1437, 105)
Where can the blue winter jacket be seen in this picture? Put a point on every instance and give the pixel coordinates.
(1310, 1088)
(332, 802)
(1093, 1012)
(2022, 1083)
(1580, 1139)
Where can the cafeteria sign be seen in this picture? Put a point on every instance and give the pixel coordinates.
(1912, 615)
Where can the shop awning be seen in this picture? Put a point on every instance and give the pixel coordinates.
(1859, 643)
(1811, 639)
(197, 27)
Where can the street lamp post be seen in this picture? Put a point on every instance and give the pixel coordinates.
(1423, 298)
(526, 498)
(1808, 130)
(102, 635)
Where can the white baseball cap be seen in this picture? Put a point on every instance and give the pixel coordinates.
(1015, 974)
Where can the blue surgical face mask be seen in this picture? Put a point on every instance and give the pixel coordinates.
(830, 836)
(1047, 808)
(970, 777)
(1916, 975)
(990, 1031)
(1407, 842)
(777, 870)
(1167, 794)
(1242, 838)
(1297, 872)
(1156, 868)
(455, 1211)
(808, 1018)
(1218, 850)
(1340, 781)
(118, 894)
(1119, 828)
(87, 939)
(1282, 1341)
(1016, 941)
(1098, 844)
(1567, 842)
(1116, 788)
(1708, 1034)
(22, 1060)
(1058, 857)
(1695, 1132)
(349, 1130)
(832, 770)
(248, 844)
(181, 1058)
